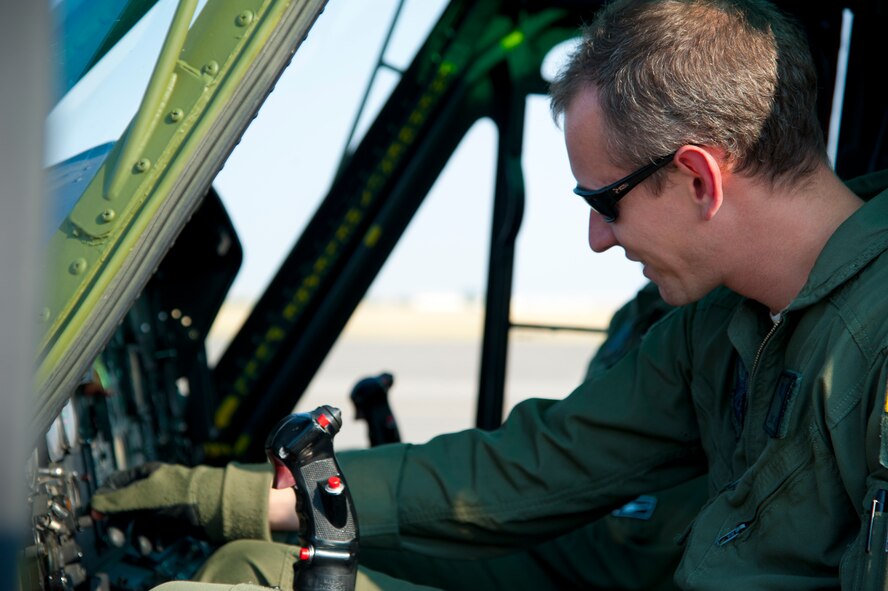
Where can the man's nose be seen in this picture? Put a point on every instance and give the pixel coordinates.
(601, 233)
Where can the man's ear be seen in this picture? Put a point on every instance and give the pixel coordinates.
(702, 166)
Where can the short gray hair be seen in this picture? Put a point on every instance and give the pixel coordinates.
(732, 74)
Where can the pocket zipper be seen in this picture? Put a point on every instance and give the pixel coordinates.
(744, 525)
(731, 535)
(681, 538)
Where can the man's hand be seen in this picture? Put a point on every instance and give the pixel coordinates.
(221, 504)
(157, 499)
(282, 515)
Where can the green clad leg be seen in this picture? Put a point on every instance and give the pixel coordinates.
(192, 586)
(268, 564)
(263, 565)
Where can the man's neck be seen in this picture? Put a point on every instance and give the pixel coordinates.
(785, 231)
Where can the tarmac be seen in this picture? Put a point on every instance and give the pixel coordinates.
(432, 346)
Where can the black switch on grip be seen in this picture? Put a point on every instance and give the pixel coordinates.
(301, 449)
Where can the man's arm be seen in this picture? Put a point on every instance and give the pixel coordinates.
(552, 465)
(223, 503)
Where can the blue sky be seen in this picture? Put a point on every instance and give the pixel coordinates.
(284, 164)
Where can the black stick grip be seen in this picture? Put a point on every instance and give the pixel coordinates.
(326, 578)
(301, 448)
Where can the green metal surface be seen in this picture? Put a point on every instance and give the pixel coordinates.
(107, 248)
(153, 103)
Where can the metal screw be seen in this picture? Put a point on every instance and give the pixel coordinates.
(244, 18)
(78, 266)
(143, 164)
(108, 215)
(211, 68)
(176, 115)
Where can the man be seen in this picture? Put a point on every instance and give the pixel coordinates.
(691, 130)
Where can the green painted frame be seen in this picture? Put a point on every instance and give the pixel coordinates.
(210, 80)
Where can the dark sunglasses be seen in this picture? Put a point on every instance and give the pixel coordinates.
(604, 200)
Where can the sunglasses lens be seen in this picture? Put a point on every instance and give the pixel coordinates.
(609, 213)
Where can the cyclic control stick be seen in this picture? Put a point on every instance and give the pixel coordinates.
(300, 447)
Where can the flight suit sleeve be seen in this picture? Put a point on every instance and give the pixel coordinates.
(553, 465)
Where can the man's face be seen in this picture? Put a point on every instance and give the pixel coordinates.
(656, 230)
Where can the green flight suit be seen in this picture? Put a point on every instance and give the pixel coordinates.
(789, 419)
(627, 326)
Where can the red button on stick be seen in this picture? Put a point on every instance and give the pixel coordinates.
(304, 554)
(334, 485)
(323, 421)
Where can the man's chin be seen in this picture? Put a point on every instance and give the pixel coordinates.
(673, 297)
(667, 297)
(677, 297)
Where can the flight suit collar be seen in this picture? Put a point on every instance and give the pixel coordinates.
(859, 240)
